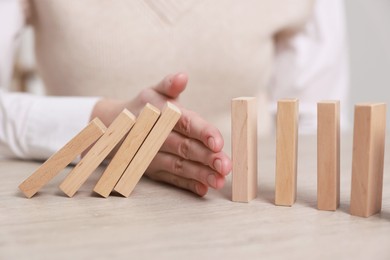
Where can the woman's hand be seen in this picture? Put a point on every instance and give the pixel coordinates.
(191, 158)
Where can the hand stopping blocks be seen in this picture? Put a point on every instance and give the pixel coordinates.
(142, 138)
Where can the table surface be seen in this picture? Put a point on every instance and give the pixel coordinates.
(161, 221)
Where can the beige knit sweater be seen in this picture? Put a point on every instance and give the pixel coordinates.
(116, 48)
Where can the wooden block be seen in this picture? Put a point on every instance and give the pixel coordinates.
(144, 123)
(244, 149)
(286, 152)
(58, 161)
(368, 159)
(328, 155)
(114, 134)
(152, 144)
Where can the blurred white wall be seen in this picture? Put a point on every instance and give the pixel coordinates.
(368, 23)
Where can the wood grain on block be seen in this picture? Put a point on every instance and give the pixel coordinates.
(152, 144)
(114, 134)
(144, 123)
(244, 149)
(286, 152)
(368, 159)
(58, 161)
(328, 155)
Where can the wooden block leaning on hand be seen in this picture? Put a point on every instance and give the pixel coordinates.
(152, 144)
(244, 149)
(144, 123)
(328, 155)
(58, 161)
(286, 152)
(114, 134)
(368, 158)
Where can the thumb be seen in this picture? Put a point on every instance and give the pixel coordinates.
(172, 85)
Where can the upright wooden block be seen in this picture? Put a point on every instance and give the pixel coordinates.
(152, 144)
(58, 161)
(114, 134)
(328, 155)
(244, 149)
(145, 121)
(286, 152)
(368, 159)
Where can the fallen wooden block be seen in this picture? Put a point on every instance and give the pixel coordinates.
(168, 119)
(328, 155)
(368, 159)
(144, 123)
(244, 149)
(286, 152)
(58, 161)
(114, 134)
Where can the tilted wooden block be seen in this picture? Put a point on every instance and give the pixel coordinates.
(286, 152)
(144, 123)
(168, 119)
(368, 159)
(328, 155)
(114, 134)
(58, 161)
(244, 149)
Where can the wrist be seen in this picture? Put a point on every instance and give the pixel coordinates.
(107, 110)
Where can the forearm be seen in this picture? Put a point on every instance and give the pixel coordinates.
(34, 127)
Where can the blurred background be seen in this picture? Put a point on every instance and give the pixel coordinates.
(368, 25)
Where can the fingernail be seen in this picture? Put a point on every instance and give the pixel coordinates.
(211, 143)
(201, 190)
(212, 181)
(218, 165)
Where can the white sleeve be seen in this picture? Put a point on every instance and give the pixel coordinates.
(312, 65)
(32, 127)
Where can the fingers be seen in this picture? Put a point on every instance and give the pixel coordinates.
(187, 169)
(192, 125)
(191, 158)
(168, 89)
(191, 149)
(172, 85)
(180, 182)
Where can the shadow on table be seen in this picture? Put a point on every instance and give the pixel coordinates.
(265, 193)
(306, 198)
(344, 207)
(385, 215)
(20, 195)
(60, 193)
(226, 191)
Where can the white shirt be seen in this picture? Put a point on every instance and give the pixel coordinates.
(311, 64)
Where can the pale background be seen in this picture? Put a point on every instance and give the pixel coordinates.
(368, 25)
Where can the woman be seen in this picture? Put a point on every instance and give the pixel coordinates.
(109, 53)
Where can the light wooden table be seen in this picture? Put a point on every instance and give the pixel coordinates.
(158, 221)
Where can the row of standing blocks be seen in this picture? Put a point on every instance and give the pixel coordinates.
(367, 161)
(143, 137)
